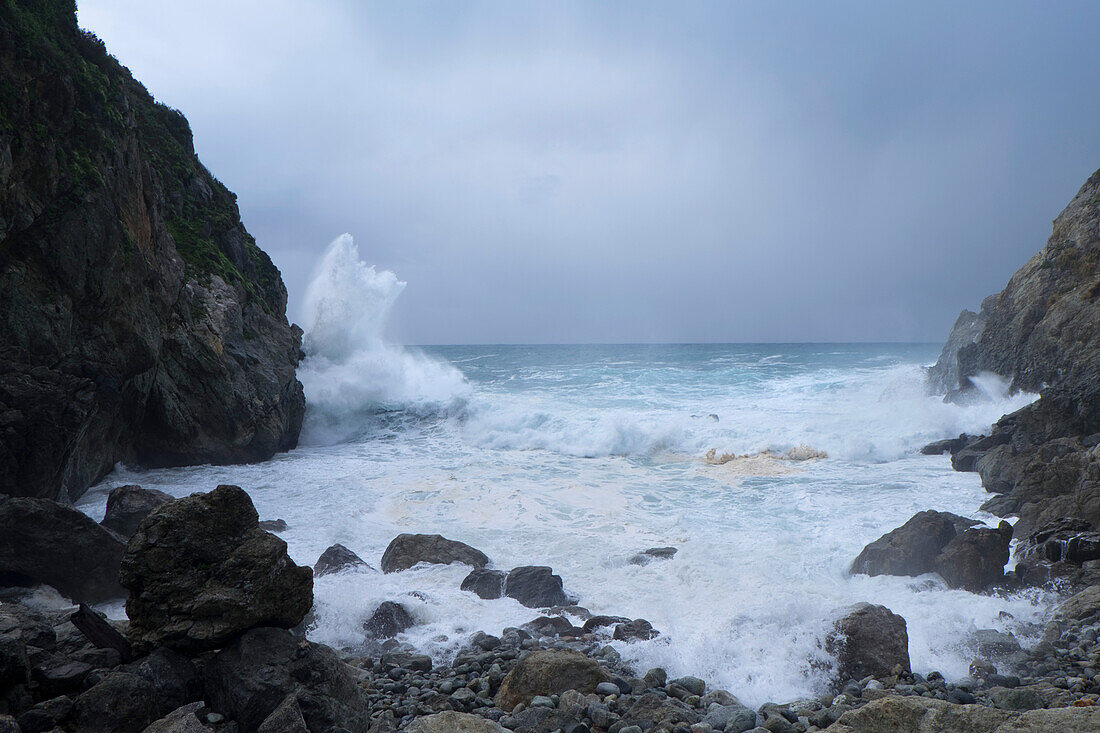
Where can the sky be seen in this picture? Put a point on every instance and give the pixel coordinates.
(618, 172)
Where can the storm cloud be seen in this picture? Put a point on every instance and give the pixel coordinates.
(617, 172)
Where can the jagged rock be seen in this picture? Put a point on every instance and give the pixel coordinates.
(406, 550)
(912, 548)
(487, 584)
(252, 676)
(337, 558)
(120, 703)
(287, 718)
(128, 505)
(388, 620)
(535, 587)
(201, 571)
(452, 722)
(975, 559)
(141, 321)
(949, 445)
(869, 640)
(549, 672)
(944, 375)
(42, 541)
(184, 719)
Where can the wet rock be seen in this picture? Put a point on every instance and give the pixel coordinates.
(336, 559)
(42, 541)
(552, 626)
(650, 710)
(599, 622)
(201, 571)
(128, 505)
(993, 644)
(407, 550)
(1081, 605)
(273, 525)
(535, 587)
(184, 719)
(638, 629)
(549, 672)
(388, 620)
(912, 548)
(253, 675)
(645, 557)
(733, 718)
(869, 641)
(950, 445)
(976, 558)
(484, 583)
(120, 703)
(452, 722)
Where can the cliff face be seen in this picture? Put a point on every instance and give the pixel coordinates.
(139, 321)
(1042, 332)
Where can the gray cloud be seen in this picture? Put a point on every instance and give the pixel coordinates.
(635, 171)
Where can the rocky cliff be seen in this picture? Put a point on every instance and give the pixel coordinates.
(139, 321)
(1043, 333)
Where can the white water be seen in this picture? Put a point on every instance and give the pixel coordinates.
(579, 457)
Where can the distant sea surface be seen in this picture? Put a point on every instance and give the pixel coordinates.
(579, 457)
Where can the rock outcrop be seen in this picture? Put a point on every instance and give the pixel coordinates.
(912, 548)
(869, 640)
(42, 541)
(201, 571)
(139, 319)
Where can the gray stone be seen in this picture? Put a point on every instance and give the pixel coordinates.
(535, 587)
(407, 550)
(388, 620)
(485, 583)
(336, 559)
(869, 641)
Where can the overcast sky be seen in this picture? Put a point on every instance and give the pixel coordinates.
(615, 172)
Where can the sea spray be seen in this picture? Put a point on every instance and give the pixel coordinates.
(350, 374)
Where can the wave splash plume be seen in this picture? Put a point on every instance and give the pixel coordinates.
(350, 374)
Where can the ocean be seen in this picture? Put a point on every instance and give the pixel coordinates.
(768, 467)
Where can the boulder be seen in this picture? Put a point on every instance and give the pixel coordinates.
(485, 583)
(950, 445)
(287, 718)
(650, 710)
(201, 571)
(273, 525)
(645, 557)
(407, 550)
(388, 620)
(869, 640)
(638, 629)
(976, 558)
(552, 626)
(912, 548)
(42, 541)
(599, 622)
(46, 715)
(337, 558)
(897, 714)
(173, 676)
(15, 668)
(128, 505)
(1081, 605)
(184, 719)
(452, 722)
(251, 677)
(119, 703)
(535, 587)
(549, 672)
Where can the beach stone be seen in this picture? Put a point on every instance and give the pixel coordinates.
(484, 583)
(452, 722)
(128, 505)
(183, 719)
(408, 660)
(549, 672)
(895, 714)
(42, 541)
(252, 676)
(406, 550)
(201, 571)
(1015, 699)
(337, 558)
(732, 718)
(693, 685)
(912, 548)
(119, 703)
(535, 586)
(869, 641)
(552, 626)
(607, 688)
(650, 710)
(638, 629)
(976, 558)
(388, 620)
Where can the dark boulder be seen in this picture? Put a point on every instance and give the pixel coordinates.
(485, 583)
(651, 710)
(976, 558)
(30, 626)
(388, 620)
(868, 641)
(273, 525)
(645, 557)
(201, 571)
(46, 715)
(950, 445)
(173, 676)
(128, 505)
(42, 541)
(598, 622)
(15, 668)
(912, 548)
(182, 720)
(58, 674)
(535, 587)
(119, 703)
(287, 718)
(549, 672)
(637, 630)
(407, 550)
(251, 677)
(552, 626)
(337, 558)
